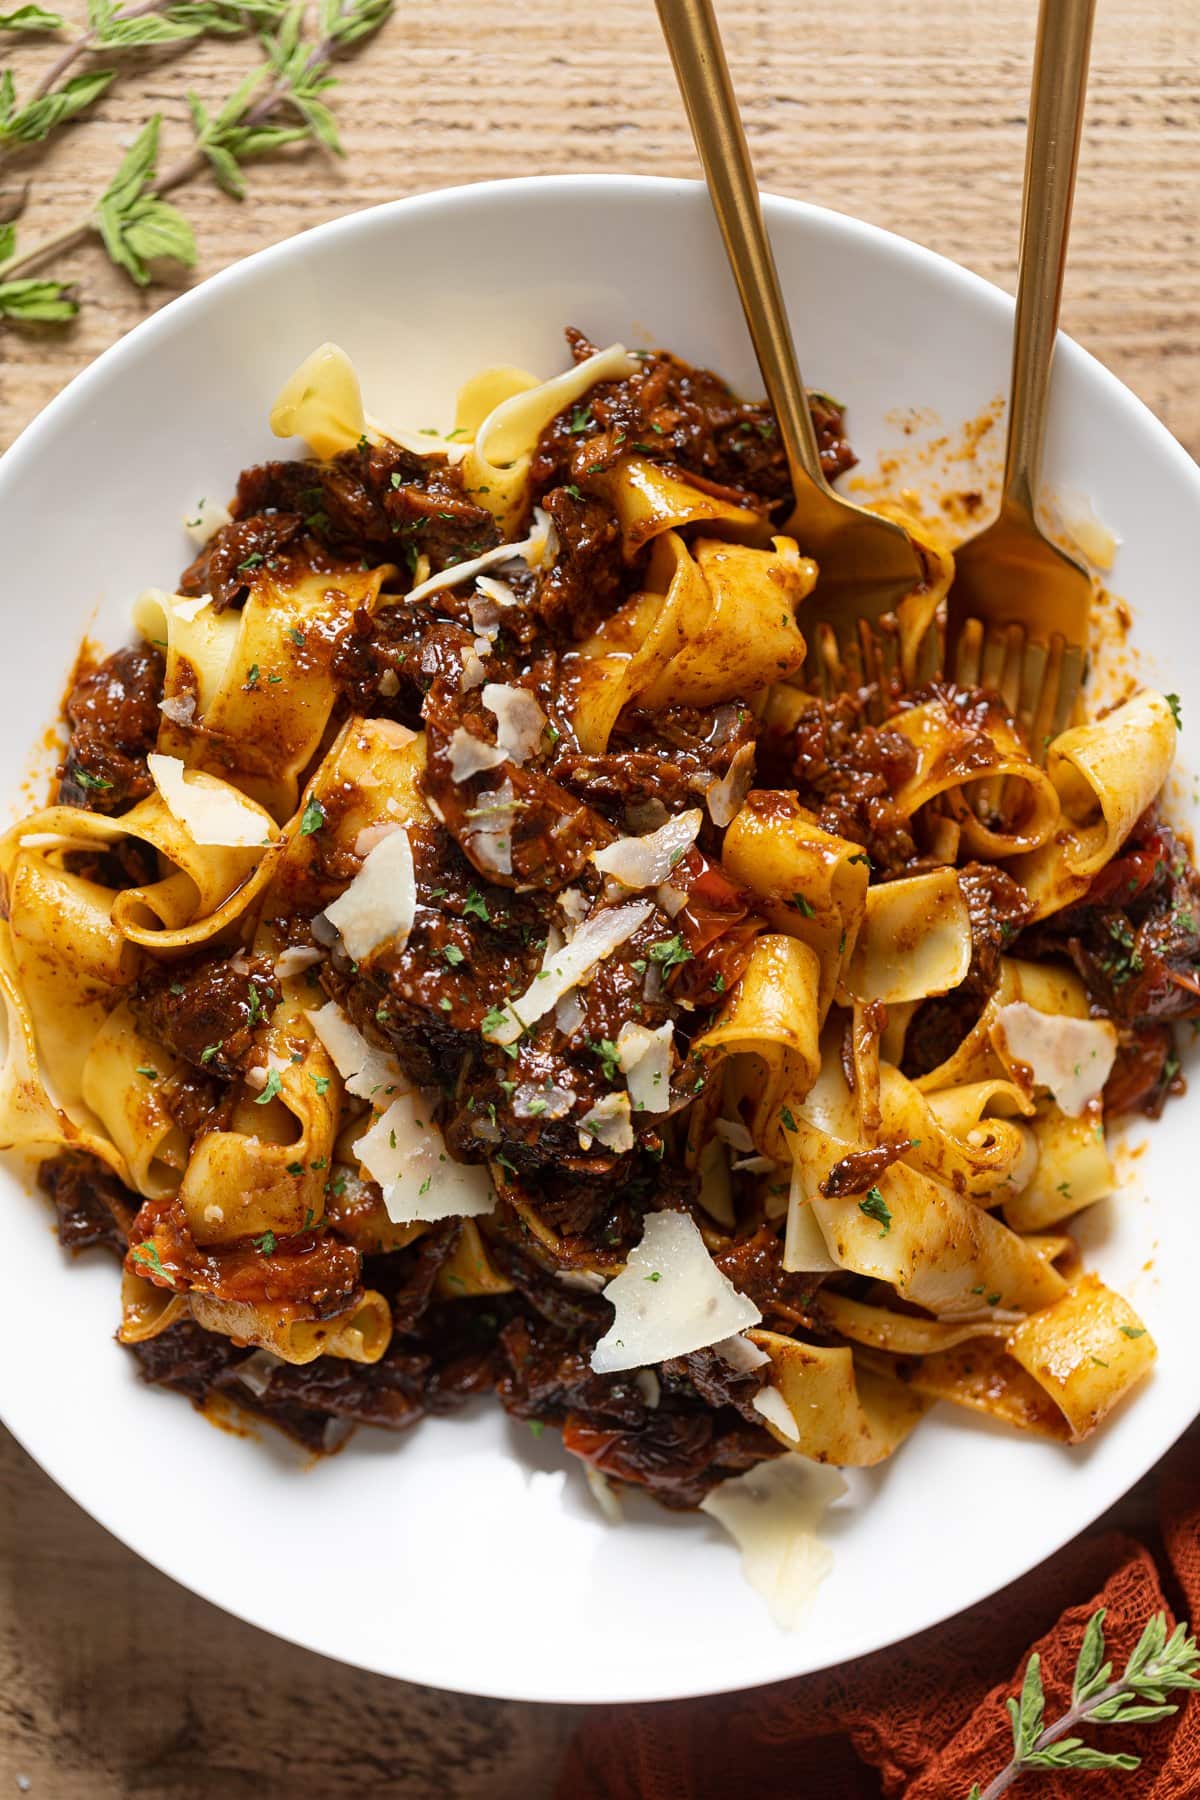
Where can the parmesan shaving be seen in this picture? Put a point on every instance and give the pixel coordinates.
(568, 1013)
(534, 550)
(772, 1513)
(471, 755)
(672, 900)
(474, 674)
(501, 593)
(389, 684)
(608, 1123)
(741, 1354)
(406, 1154)
(565, 968)
(734, 1133)
(368, 1073)
(648, 1386)
(520, 721)
(210, 811)
(642, 862)
(489, 836)
(716, 1189)
(188, 610)
(179, 708)
(772, 1406)
(208, 516)
(645, 1059)
(533, 1102)
(256, 1078)
(295, 959)
(1071, 1057)
(669, 1300)
(380, 904)
(604, 1494)
(725, 797)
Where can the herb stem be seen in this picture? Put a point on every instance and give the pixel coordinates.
(1075, 1715)
(87, 40)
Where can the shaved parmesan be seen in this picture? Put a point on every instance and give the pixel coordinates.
(775, 1410)
(406, 1154)
(533, 1102)
(210, 811)
(295, 959)
(642, 862)
(586, 1281)
(207, 518)
(368, 1073)
(716, 1189)
(565, 968)
(520, 721)
(608, 1123)
(187, 610)
(642, 816)
(485, 616)
(489, 836)
(772, 1513)
(645, 1059)
(648, 1386)
(501, 593)
(573, 905)
(604, 1494)
(255, 1371)
(669, 1299)
(568, 1013)
(725, 797)
(380, 904)
(741, 1354)
(734, 1133)
(672, 900)
(474, 674)
(179, 708)
(471, 755)
(1071, 1057)
(534, 550)
(389, 684)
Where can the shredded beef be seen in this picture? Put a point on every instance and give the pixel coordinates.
(225, 567)
(207, 1010)
(113, 715)
(93, 1208)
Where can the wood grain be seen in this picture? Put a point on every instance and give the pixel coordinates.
(114, 1682)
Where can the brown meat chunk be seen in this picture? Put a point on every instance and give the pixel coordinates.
(309, 1276)
(92, 1206)
(587, 579)
(998, 907)
(113, 715)
(207, 1010)
(228, 560)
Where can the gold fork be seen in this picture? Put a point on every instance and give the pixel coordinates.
(867, 564)
(1017, 612)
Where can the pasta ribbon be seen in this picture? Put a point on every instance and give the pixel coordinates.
(846, 1415)
(361, 1334)
(1105, 775)
(915, 940)
(962, 750)
(649, 500)
(768, 1029)
(806, 881)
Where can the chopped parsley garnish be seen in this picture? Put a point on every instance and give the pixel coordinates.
(581, 421)
(654, 1275)
(256, 1011)
(610, 1059)
(295, 1168)
(789, 1122)
(312, 818)
(297, 636)
(209, 1051)
(252, 674)
(876, 1207)
(321, 1083)
(147, 1071)
(147, 1255)
(493, 1019)
(475, 907)
(1176, 710)
(570, 488)
(670, 951)
(863, 858)
(86, 779)
(1133, 1331)
(805, 906)
(253, 561)
(266, 1244)
(452, 954)
(537, 1427)
(270, 1088)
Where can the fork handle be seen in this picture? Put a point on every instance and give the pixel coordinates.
(694, 42)
(1060, 69)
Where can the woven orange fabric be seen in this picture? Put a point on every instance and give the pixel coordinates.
(926, 1719)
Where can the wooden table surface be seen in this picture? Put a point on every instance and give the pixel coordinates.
(114, 1682)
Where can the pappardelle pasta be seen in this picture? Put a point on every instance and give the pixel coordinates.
(465, 954)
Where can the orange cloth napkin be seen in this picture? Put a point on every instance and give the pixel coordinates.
(926, 1719)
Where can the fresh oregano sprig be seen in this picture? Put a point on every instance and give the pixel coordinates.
(278, 104)
(1159, 1665)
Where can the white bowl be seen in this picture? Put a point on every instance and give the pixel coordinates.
(467, 1554)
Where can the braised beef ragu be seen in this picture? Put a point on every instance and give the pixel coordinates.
(113, 717)
(503, 875)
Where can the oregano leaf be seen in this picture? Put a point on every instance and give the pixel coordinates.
(1073, 1755)
(32, 302)
(8, 241)
(30, 124)
(31, 18)
(1091, 1670)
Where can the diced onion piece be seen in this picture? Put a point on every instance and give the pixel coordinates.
(210, 811)
(642, 862)
(471, 755)
(669, 1300)
(1071, 1057)
(406, 1154)
(608, 1122)
(520, 721)
(725, 797)
(741, 1354)
(774, 1408)
(207, 518)
(648, 1386)
(368, 1073)
(295, 959)
(772, 1513)
(255, 1371)
(645, 1059)
(380, 904)
(389, 684)
(565, 968)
